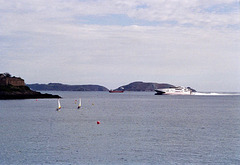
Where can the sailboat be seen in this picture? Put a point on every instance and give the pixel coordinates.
(80, 103)
(59, 106)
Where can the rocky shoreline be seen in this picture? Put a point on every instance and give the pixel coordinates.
(22, 92)
(12, 87)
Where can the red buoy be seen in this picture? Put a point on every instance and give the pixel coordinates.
(98, 122)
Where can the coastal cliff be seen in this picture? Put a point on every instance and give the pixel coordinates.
(15, 88)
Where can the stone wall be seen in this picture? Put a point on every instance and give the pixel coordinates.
(15, 81)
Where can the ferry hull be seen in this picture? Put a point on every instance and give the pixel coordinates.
(162, 93)
(116, 91)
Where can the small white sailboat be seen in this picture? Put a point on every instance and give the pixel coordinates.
(59, 106)
(80, 103)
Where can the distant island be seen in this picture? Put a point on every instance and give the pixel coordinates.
(147, 86)
(144, 86)
(15, 88)
(65, 87)
(134, 86)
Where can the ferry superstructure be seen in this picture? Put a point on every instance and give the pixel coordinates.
(174, 91)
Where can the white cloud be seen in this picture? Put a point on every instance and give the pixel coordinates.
(193, 12)
(49, 39)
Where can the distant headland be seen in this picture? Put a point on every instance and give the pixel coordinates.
(15, 88)
(134, 86)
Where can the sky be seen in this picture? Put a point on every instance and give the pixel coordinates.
(112, 43)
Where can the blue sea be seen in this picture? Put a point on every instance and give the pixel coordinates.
(135, 128)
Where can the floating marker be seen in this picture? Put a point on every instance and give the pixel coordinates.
(98, 122)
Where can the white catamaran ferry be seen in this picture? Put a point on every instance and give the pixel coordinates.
(174, 91)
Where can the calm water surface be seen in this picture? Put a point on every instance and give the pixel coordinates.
(135, 128)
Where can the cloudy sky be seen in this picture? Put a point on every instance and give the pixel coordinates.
(115, 42)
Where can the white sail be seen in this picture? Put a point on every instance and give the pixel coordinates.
(59, 105)
(80, 103)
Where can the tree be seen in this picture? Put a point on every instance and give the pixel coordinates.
(7, 74)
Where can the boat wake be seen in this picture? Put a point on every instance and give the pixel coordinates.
(215, 94)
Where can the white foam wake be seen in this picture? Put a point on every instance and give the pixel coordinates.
(214, 94)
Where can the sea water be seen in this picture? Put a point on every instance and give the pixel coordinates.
(135, 128)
